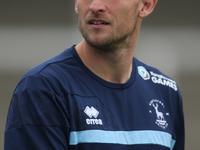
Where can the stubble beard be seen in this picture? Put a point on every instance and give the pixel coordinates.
(112, 42)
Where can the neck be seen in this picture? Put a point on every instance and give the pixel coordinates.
(115, 66)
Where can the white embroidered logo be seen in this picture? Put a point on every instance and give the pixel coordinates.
(160, 79)
(92, 112)
(160, 121)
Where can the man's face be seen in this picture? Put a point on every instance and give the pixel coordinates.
(106, 24)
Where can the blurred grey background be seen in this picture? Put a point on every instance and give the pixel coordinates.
(32, 31)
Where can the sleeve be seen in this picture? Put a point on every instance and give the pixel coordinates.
(37, 118)
(179, 127)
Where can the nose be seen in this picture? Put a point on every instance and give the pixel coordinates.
(98, 6)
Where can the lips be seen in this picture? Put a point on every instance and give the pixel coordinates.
(97, 22)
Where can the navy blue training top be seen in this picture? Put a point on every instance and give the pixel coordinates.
(61, 105)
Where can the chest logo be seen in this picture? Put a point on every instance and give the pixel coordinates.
(158, 108)
(92, 113)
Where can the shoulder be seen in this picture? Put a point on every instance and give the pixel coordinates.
(159, 85)
(51, 63)
(46, 73)
(155, 76)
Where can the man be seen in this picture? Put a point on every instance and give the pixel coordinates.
(96, 95)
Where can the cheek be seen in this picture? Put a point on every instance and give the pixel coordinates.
(82, 6)
(127, 12)
(127, 18)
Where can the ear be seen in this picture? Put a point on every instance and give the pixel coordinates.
(76, 10)
(148, 7)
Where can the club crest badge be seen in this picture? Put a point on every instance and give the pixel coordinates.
(157, 108)
(143, 73)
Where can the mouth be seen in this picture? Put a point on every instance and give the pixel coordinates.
(98, 22)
